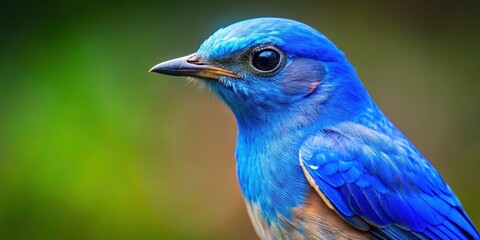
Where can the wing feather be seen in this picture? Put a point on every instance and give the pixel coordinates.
(385, 182)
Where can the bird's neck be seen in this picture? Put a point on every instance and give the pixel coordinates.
(268, 170)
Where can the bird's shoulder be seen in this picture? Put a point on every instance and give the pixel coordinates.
(380, 183)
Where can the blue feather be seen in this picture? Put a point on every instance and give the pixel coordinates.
(381, 218)
(401, 202)
(335, 196)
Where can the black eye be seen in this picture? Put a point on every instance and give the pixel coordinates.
(266, 59)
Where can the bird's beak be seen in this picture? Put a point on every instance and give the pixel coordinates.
(193, 66)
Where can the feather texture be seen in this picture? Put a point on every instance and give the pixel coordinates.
(385, 181)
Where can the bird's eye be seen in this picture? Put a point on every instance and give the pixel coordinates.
(266, 59)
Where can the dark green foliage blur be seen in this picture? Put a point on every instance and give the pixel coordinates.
(92, 146)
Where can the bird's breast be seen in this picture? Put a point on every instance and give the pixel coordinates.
(311, 220)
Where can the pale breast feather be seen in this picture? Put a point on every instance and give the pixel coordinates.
(312, 220)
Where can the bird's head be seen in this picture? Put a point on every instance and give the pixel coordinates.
(264, 66)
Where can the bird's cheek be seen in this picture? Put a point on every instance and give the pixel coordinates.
(302, 76)
(234, 91)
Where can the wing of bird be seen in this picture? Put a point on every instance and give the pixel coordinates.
(382, 184)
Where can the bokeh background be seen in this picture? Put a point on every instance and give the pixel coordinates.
(92, 146)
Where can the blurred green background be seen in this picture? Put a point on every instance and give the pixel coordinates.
(92, 146)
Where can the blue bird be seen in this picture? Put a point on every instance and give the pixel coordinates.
(316, 157)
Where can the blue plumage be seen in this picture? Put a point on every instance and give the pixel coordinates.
(307, 125)
(394, 197)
